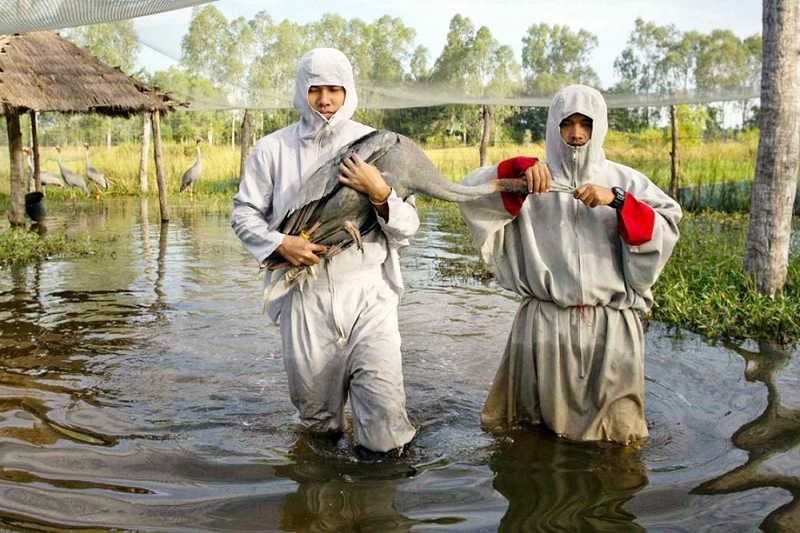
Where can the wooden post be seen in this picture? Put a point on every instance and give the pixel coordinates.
(487, 130)
(37, 167)
(160, 178)
(16, 214)
(675, 181)
(245, 142)
(143, 186)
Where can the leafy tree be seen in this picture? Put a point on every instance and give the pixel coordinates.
(115, 43)
(554, 56)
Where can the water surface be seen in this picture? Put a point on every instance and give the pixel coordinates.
(141, 389)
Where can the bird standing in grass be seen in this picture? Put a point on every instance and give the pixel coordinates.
(48, 178)
(73, 179)
(192, 176)
(97, 178)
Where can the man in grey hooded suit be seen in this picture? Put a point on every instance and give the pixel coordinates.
(584, 264)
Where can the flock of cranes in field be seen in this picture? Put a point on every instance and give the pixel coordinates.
(98, 179)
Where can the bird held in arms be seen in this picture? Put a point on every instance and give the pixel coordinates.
(47, 178)
(336, 216)
(192, 176)
(97, 178)
(73, 179)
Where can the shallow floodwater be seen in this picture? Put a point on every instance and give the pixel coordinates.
(143, 390)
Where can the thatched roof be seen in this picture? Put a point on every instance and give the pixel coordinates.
(45, 72)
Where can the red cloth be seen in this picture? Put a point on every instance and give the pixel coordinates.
(513, 168)
(635, 221)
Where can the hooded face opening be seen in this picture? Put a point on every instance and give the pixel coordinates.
(326, 99)
(576, 129)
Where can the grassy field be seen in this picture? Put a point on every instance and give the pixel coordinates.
(701, 164)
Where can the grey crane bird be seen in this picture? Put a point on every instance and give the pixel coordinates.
(192, 176)
(73, 179)
(336, 216)
(48, 178)
(97, 178)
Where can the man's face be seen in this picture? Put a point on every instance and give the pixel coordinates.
(327, 99)
(576, 129)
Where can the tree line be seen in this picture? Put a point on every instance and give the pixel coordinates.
(251, 63)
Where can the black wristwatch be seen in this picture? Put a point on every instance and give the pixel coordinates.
(619, 197)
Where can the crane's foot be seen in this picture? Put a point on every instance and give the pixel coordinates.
(352, 230)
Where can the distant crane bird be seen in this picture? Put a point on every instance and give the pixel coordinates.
(73, 179)
(192, 176)
(97, 178)
(48, 178)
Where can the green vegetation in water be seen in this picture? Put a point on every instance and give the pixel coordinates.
(703, 287)
(19, 246)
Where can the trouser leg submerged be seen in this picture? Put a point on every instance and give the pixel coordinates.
(340, 338)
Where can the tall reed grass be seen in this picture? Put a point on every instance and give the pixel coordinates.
(707, 163)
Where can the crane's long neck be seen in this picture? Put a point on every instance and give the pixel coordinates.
(444, 189)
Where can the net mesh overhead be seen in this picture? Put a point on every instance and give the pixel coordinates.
(19, 16)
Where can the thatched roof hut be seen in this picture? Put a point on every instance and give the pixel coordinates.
(42, 71)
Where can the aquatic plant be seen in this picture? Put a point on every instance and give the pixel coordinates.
(19, 246)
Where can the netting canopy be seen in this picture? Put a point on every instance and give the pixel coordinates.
(19, 16)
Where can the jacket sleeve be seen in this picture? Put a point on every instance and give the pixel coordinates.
(644, 259)
(403, 220)
(252, 208)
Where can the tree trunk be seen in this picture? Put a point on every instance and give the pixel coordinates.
(16, 214)
(143, 159)
(108, 133)
(675, 182)
(487, 132)
(775, 185)
(245, 141)
(160, 177)
(37, 165)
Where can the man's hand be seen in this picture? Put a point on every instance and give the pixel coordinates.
(364, 178)
(299, 251)
(538, 177)
(593, 195)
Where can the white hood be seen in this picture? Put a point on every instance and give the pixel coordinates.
(569, 164)
(323, 66)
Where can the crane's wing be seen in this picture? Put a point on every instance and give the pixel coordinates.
(324, 179)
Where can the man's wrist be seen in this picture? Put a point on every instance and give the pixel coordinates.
(381, 200)
(619, 197)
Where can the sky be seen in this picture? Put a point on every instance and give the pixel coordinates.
(610, 20)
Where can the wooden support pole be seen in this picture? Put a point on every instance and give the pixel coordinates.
(160, 177)
(245, 141)
(37, 167)
(675, 181)
(16, 214)
(143, 159)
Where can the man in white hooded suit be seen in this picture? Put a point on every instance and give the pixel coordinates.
(339, 331)
(584, 265)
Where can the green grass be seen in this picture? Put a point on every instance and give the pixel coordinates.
(704, 287)
(705, 163)
(19, 246)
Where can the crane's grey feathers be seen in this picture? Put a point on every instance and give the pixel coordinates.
(344, 214)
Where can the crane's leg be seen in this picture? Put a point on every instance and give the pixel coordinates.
(352, 229)
(191, 192)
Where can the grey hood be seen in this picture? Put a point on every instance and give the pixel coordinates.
(569, 164)
(323, 66)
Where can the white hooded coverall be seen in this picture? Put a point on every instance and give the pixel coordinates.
(575, 356)
(340, 333)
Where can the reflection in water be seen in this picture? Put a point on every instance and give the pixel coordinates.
(775, 431)
(334, 494)
(555, 485)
